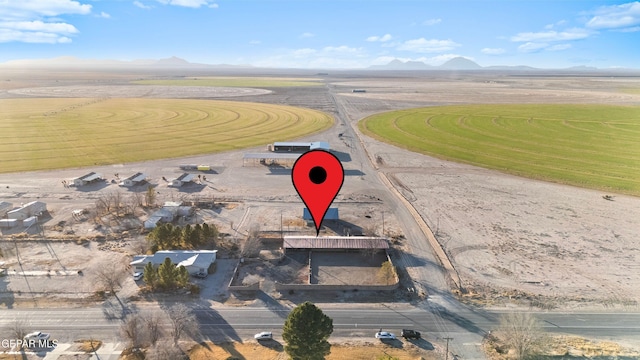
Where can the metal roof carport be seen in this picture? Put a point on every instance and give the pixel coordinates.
(334, 243)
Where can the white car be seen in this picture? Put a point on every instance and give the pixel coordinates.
(137, 276)
(383, 335)
(265, 335)
(37, 336)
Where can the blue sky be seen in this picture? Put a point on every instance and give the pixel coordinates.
(326, 33)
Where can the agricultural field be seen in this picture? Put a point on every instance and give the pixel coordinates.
(225, 81)
(40, 134)
(593, 146)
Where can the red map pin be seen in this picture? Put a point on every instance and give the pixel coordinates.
(317, 176)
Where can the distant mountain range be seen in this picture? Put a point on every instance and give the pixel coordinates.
(457, 63)
(461, 63)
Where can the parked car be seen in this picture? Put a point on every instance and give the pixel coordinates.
(37, 336)
(410, 334)
(383, 335)
(265, 335)
(138, 276)
(200, 275)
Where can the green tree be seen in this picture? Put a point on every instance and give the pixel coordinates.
(150, 275)
(306, 332)
(182, 278)
(167, 274)
(161, 237)
(189, 237)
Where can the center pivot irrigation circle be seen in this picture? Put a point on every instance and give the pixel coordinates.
(594, 146)
(317, 175)
(38, 134)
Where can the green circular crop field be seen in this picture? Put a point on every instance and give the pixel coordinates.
(594, 146)
(56, 133)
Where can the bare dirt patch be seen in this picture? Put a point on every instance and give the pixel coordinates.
(137, 91)
(343, 351)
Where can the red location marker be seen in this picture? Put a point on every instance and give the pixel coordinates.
(317, 176)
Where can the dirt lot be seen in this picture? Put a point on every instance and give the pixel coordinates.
(501, 232)
(343, 351)
(506, 233)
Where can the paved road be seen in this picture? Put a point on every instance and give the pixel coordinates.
(466, 325)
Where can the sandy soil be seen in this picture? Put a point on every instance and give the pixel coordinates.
(506, 233)
(502, 233)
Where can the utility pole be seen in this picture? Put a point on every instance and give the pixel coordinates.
(383, 224)
(281, 235)
(446, 354)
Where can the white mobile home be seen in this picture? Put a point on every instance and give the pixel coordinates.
(195, 261)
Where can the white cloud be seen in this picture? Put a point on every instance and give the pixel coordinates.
(493, 51)
(559, 47)
(306, 35)
(34, 37)
(616, 16)
(383, 38)
(61, 28)
(104, 15)
(26, 21)
(303, 52)
(30, 9)
(531, 47)
(631, 29)
(552, 35)
(558, 23)
(186, 3)
(423, 45)
(141, 5)
(341, 49)
(214, 6)
(431, 22)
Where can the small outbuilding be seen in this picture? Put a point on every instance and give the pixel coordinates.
(34, 208)
(135, 179)
(183, 180)
(87, 179)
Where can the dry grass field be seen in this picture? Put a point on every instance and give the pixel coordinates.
(70, 132)
(251, 351)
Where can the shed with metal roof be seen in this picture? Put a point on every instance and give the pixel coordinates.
(334, 243)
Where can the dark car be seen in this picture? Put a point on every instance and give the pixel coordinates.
(410, 334)
(200, 275)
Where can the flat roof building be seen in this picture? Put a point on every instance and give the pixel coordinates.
(301, 147)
